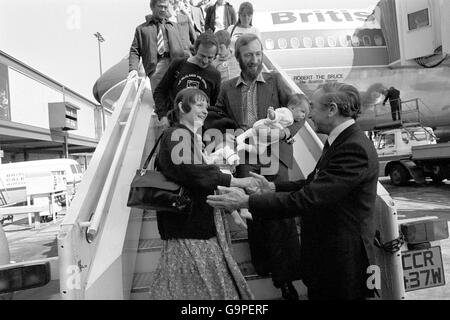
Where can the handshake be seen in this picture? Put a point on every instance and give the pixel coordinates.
(234, 198)
(257, 184)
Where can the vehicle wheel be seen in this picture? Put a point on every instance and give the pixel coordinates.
(398, 174)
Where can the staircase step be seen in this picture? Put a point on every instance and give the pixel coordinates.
(150, 245)
(149, 215)
(141, 282)
(149, 252)
(240, 250)
(149, 229)
(261, 287)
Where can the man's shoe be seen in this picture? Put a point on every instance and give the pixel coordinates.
(288, 291)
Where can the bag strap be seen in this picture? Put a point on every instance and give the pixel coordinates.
(232, 30)
(152, 152)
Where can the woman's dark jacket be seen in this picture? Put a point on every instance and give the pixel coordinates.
(199, 180)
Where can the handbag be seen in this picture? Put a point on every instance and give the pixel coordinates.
(151, 190)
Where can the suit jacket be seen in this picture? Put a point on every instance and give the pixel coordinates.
(336, 203)
(144, 45)
(274, 92)
(198, 19)
(210, 20)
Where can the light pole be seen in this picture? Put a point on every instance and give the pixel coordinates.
(100, 39)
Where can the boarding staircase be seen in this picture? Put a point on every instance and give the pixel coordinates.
(109, 251)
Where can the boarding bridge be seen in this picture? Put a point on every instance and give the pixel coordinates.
(110, 251)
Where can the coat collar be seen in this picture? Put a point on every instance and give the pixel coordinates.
(342, 137)
(338, 130)
(259, 78)
(150, 19)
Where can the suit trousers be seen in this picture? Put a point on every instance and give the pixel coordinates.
(274, 244)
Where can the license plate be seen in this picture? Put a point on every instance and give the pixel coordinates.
(423, 269)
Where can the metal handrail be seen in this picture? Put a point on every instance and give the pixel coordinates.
(99, 212)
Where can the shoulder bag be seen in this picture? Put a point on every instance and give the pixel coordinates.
(151, 190)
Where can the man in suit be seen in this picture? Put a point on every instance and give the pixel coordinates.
(336, 201)
(394, 99)
(220, 16)
(245, 99)
(157, 41)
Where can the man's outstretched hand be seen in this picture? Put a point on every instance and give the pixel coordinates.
(229, 198)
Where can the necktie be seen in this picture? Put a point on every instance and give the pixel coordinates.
(315, 173)
(160, 40)
(326, 146)
(251, 112)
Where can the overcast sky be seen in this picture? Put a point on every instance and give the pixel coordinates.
(56, 36)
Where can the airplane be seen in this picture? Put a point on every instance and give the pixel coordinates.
(373, 48)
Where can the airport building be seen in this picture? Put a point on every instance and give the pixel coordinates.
(41, 118)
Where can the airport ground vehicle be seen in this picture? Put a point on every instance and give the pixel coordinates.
(412, 152)
(13, 177)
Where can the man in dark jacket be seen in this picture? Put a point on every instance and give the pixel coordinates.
(227, 16)
(157, 42)
(336, 201)
(394, 99)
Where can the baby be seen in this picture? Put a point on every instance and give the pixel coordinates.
(280, 118)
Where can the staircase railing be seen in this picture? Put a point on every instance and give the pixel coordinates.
(94, 233)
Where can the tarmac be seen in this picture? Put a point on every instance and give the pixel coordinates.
(412, 201)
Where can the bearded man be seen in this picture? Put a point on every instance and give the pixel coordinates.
(274, 245)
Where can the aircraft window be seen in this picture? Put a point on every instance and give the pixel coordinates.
(355, 41)
(307, 42)
(332, 41)
(295, 43)
(320, 42)
(367, 41)
(72, 167)
(343, 40)
(282, 43)
(78, 168)
(269, 44)
(378, 40)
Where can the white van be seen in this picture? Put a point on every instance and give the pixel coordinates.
(13, 181)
